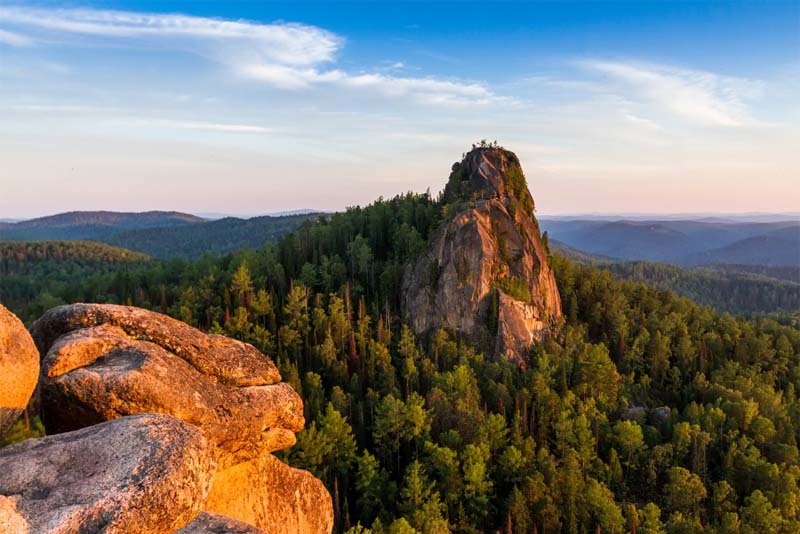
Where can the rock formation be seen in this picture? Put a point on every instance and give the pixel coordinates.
(19, 368)
(207, 523)
(99, 373)
(248, 492)
(485, 273)
(148, 474)
(103, 362)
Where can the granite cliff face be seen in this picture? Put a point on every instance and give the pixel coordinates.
(485, 273)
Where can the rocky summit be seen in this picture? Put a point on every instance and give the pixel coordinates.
(485, 273)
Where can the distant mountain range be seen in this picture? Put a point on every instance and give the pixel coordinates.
(75, 225)
(157, 233)
(682, 242)
(169, 234)
(764, 217)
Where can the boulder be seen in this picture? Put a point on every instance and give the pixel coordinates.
(662, 415)
(102, 362)
(219, 357)
(207, 523)
(274, 497)
(485, 273)
(19, 368)
(148, 474)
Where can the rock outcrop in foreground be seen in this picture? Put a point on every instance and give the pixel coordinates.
(246, 491)
(148, 474)
(19, 368)
(485, 273)
(215, 409)
(102, 362)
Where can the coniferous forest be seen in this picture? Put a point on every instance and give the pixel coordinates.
(646, 413)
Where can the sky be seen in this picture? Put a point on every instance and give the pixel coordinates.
(243, 107)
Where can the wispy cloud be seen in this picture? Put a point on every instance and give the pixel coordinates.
(700, 96)
(292, 44)
(221, 127)
(131, 117)
(429, 90)
(13, 39)
(287, 56)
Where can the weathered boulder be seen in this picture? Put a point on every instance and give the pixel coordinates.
(276, 498)
(102, 362)
(148, 474)
(221, 358)
(19, 368)
(207, 523)
(485, 273)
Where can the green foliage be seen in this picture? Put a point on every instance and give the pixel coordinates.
(518, 187)
(727, 288)
(515, 287)
(23, 429)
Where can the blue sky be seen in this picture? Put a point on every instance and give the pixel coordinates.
(252, 107)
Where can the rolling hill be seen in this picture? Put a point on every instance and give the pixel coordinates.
(82, 225)
(780, 247)
(683, 242)
(208, 237)
(160, 234)
(737, 289)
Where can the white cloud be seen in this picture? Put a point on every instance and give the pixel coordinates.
(292, 44)
(286, 56)
(700, 96)
(641, 121)
(426, 90)
(221, 127)
(13, 39)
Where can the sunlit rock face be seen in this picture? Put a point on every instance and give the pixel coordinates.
(19, 368)
(106, 363)
(485, 273)
(148, 474)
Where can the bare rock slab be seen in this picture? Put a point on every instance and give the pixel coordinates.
(19, 368)
(274, 497)
(102, 362)
(147, 474)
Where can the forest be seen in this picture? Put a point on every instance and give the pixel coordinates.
(648, 413)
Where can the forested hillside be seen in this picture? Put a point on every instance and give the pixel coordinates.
(726, 290)
(22, 257)
(209, 237)
(159, 234)
(648, 412)
(38, 275)
(737, 289)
